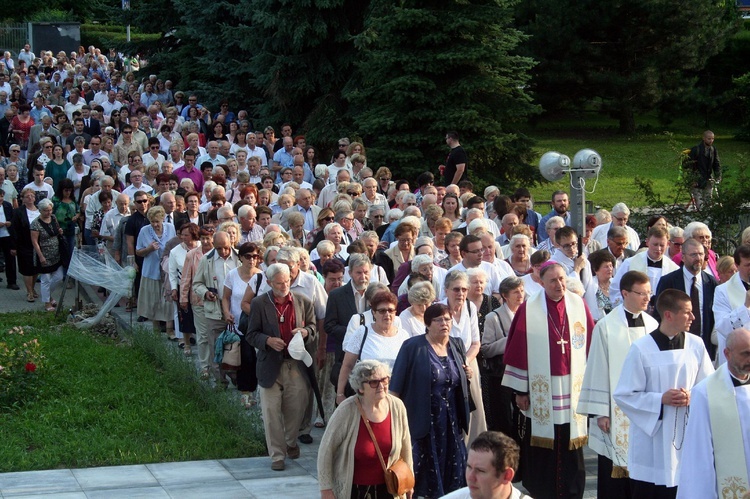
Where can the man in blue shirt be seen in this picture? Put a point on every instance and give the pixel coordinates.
(283, 158)
(560, 205)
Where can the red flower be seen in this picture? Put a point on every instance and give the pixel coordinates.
(30, 367)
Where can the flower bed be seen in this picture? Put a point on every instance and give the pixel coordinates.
(21, 367)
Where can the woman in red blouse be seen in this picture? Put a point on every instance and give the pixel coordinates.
(348, 464)
(21, 125)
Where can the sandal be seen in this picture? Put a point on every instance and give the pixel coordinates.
(53, 303)
(188, 352)
(30, 297)
(36, 295)
(247, 400)
(50, 308)
(319, 423)
(205, 374)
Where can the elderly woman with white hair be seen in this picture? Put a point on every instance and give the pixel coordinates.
(701, 233)
(421, 296)
(45, 238)
(334, 233)
(520, 244)
(485, 303)
(465, 325)
(347, 463)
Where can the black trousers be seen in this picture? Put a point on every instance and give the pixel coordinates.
(647, 490)
(247, 378)
(556, 473)
(606, 486)
(10, 261)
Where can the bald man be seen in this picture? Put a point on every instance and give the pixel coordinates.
(716, 456)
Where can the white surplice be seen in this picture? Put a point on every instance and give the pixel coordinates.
(647, 373)
(609, 345)
(697, 476)
(730, 312)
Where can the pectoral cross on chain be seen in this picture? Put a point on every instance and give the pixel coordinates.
(562, 343)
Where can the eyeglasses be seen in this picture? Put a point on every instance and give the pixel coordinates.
(141, 201)
(48, 147)
(675, 243)
(355, 193)
(375, 383)
(387, 179)
(252, 256)
(126, 133)
(441, 320)
(460, 290)
(378, 216)
(343, 145)
(639, 293)
(328, 219)
(217, 204)
(384, 311)
(569, 246)
(474, 252)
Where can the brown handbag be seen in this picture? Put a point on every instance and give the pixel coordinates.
(399, 478)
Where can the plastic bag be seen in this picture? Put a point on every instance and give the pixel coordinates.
(90, 266)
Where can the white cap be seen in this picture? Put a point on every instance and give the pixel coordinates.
(297, 350)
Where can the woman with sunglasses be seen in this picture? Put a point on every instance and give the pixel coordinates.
(431, 377)
(348, 465)
(325, 217)
(235, 284)
(381, 340)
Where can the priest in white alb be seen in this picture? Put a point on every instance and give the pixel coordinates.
(732, 302)
(659, 372)
(545, 359)
(651, 262)
(608, 426)
(716, 458)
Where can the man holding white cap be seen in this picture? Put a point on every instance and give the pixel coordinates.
(275, 318)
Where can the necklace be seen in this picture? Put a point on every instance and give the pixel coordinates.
(281, 313)
(559, 332)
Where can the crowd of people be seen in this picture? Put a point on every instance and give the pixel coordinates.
(436, 317)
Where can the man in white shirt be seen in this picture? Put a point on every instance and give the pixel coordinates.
(620, 215)
(136, 184)
(75, 103)
(112, 219)
(42, 190)
(471, 252)
(490, 469)
(254, 151)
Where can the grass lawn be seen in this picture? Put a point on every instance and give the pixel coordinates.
(649, 155)
(107, 402)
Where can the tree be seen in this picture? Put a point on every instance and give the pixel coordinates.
(633, 55)
(430, 66)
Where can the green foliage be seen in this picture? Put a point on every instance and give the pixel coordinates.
(427, 67)
(21, 365)
(52, 15)
(109, 35)
(106, 402)
(633, 55)
(400, 75)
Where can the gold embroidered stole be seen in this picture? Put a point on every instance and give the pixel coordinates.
(540, 378)
(726, 434)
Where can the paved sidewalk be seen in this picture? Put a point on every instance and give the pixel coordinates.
(225, 478)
